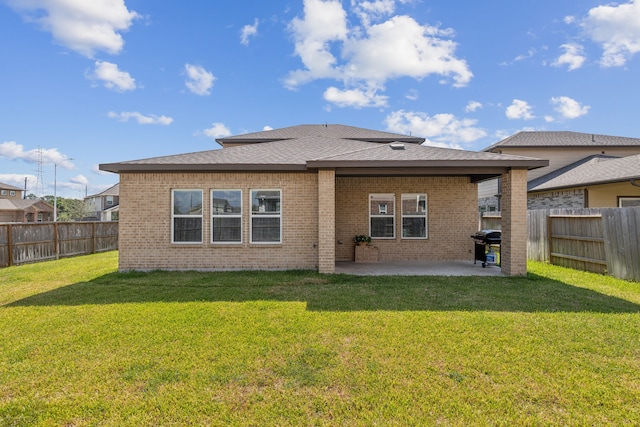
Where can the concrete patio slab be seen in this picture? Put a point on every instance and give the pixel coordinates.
(417, 268)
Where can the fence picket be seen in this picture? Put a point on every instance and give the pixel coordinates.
(33, 242)
(578, 240)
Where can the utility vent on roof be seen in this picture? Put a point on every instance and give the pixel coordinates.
(397, 146)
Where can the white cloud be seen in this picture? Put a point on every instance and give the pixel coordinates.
(217, 130)
(519, 110)
(616, 27)
(112, 77)
(81, 25)
(18, 179)
(357, 98)
(199, 80)
(324, 22)
(573, 56)
(248, 31)
(412, 95)
(14, 151)
(367, 56)
(267, 128)
(473, 106)
(440, 130)
(375, 10)
(142, 119)
(569, 108)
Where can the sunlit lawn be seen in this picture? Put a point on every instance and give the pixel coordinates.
(83, 345)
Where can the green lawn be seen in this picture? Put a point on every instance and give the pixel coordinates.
(83, 345)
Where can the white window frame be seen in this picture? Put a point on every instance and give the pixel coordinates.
(173, 216)
(12, 193)
(383, 213)
(3, 192)
(214, 215)
(621, 199)
(415, 215)
(253, 215)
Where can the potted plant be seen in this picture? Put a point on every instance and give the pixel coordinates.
(362, 239)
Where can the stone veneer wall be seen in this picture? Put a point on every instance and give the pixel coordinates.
(145, 223)
(452, 204)
(571, 199)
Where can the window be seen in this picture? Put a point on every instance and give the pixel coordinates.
(109, 200)
(266, 216)
(226, 216)
(414, 216)
(381, 216)
(12, 193)
(626, 202)
(3, 192)
(186, 216)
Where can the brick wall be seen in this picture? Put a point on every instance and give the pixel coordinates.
(452, 217)
(557, 199)
(513, 249)
(145, 223)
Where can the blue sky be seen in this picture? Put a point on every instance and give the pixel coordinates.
(101, 81)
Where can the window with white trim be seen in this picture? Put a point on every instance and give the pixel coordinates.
(414, 216)
(382, 216)
(226, 216)
(186, 216)
(266, 216)
(626, 202)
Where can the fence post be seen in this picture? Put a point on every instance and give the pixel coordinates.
(56, 240)
(10, 244)
(549, 237)
(93, 238)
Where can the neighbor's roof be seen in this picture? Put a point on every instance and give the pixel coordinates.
(20, 204)
(592, 170)
(548, 139)
(10, 187)
(114, 190)
(316, 150)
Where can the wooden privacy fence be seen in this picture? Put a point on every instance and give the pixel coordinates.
(22, 243)
(601, 240)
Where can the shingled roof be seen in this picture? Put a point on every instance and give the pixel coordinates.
(592, 170)
(551, 139)
(320, 146)
(323, 131)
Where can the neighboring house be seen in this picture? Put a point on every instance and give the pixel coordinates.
(25, 210)
(294, 198)
(10, 192)
(103, 206)
(595, 182)
(574, 154)
(13, 208)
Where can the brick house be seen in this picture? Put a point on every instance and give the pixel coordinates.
(294, 198)
(13, 208)
(580, 158)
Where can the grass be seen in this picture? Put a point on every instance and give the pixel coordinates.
(83, 345)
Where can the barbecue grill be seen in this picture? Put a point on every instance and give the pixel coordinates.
(483, 240)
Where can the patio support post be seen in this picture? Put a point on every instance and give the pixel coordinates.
(513, 256)
(326, 221)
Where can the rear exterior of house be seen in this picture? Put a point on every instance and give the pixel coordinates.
(294, 198)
